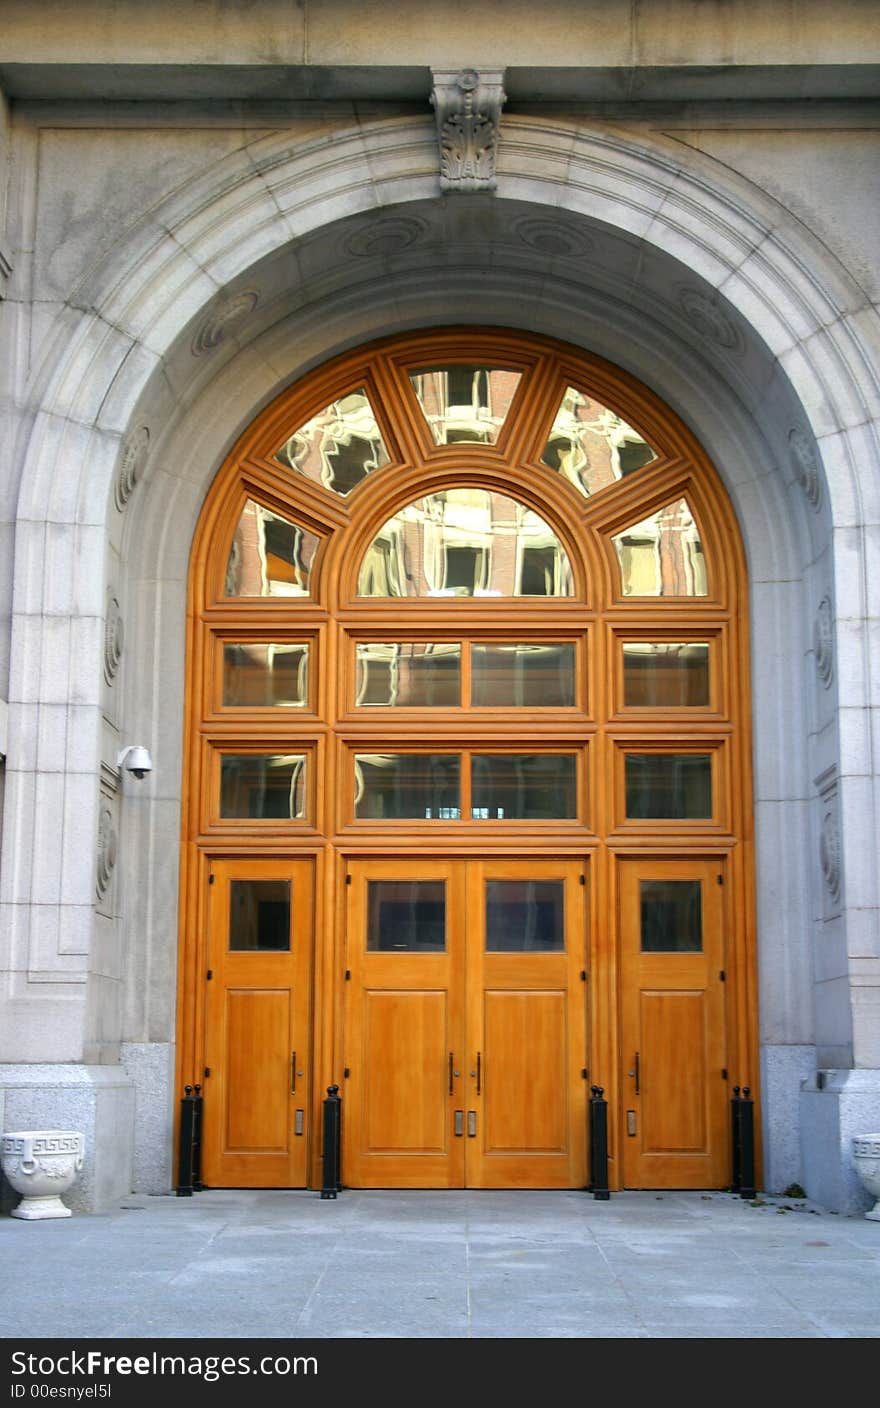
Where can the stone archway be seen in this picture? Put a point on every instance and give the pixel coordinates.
(294, 249)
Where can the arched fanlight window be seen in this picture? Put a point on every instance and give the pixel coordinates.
(465, 542)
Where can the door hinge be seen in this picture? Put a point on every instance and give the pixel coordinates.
(210, 879)
(720, 879)
(583, 879)
(348, 879)
(583, 975)
(348, 975)
(209, 975)
(722, 976)
(346, 1073)
(585, 1075)
(724, 1073)
(207, 1072)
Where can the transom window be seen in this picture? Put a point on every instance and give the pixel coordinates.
(467, 586)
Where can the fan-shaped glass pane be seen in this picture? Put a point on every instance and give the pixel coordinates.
(591, 446)
(338, 446)
(465, 403)
(269, 556)
(469, 543)
(663, 555)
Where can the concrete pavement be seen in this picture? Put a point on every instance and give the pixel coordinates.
(284, 1264)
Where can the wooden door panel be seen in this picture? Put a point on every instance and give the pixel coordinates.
(673, 1110)
(527, 1022)
(524, 1078)
(257, 1015)
(406, 1040)
(673, 1032)
(257, 1084)
(404, 1018)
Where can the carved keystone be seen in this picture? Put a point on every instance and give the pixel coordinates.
(467, 107)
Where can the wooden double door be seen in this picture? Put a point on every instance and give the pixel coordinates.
(465, 1033)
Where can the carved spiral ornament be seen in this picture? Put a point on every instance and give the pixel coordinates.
(114, 633)
(829, 852)
(107, 847)
(823, 641)
(805, 466)
(707, 319)
(553, 238)
(131, 465)
(223, 321)
(384, 237)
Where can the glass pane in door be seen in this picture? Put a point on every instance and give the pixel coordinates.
(259, 916)
(671, 916)
(406, 916)
(525, 916)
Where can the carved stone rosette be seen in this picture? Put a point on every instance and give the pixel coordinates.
(467, 109)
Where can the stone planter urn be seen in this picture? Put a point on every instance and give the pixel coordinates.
(866, 1157)
(41, 1164)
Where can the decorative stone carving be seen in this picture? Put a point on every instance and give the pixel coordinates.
(107, 849)
(866, 1159)
(706, 318)
(823, 641)
(805, 466)
(829, 853)
(552, 237)
(383, 237)
(114, 632)
(131, 465)
(41, 1164)
(467, 109)
(225, 318)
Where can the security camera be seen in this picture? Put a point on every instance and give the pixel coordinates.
(135, 760)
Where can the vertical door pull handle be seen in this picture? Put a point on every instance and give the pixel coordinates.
(479, 1072)
(451, 1072)
(635, 1072)
(459, 1123)
(472, 1124)
(293, 1072)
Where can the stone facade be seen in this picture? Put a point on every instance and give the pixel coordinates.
(194, 213)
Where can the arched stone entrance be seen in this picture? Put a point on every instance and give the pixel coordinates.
(292, 252)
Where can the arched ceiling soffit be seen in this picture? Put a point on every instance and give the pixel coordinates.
(582, 217)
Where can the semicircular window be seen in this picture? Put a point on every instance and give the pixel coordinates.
(663, 555)
(469, 543)
(339, 446)
(269, 555)
(590, 446)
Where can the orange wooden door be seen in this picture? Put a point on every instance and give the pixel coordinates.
(675, 1102)
(526, 1009)
(257, 1039)
(466, 1021)
(404, 1025)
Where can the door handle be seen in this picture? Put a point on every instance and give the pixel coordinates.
(472, 1124)
(478, 1073)
(453, 1073)
(635, 1072)
(293, 1073)
(459, 1123)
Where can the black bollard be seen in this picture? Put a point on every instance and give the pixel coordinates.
(185, 1151)
(332, 1156)
(599, 1144)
